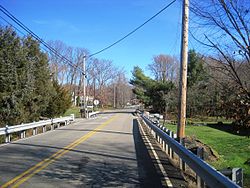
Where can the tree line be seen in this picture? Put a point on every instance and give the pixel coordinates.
(104, 81)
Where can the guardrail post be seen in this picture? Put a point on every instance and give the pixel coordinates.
(170, 153)
(23, 134)
(237, 176)
(72, 117)
(34, 131)
(182, 163)
(7, 135)
(44, 128)
(200, 182)
(7, 138)
(160, 139)
(166, 148)
(52, 127)
(163, 145)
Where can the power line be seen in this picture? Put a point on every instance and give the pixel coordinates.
(20, 24)
(13, 26)
(133, 31)
(45, 49)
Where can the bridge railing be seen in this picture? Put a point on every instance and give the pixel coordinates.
(22, 128)
(206, 174)
(93, 114)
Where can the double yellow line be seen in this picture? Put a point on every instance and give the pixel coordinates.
(20, 179)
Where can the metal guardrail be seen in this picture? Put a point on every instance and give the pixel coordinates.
(203, 170)
(22, 128)
(93, 114)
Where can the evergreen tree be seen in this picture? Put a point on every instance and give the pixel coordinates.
(59, 102)
(196, 71)
(39, 79)
(141, 85)
(10, 65)
(151, 92)
(26, 88)
(197, 96)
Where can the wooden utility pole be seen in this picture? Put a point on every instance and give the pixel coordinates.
(183, 72)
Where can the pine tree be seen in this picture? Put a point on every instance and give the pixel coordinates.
(59, 102)
(10, 64)
(26, 89)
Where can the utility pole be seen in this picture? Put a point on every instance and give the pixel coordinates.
(114, 97)
(84, 87)
(183, 72)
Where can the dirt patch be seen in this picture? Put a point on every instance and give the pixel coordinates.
(193, 144)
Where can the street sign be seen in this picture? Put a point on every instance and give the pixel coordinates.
(96, 102)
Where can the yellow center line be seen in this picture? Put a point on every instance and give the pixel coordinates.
(18, 180)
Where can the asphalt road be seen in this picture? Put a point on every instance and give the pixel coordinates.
(107, 151)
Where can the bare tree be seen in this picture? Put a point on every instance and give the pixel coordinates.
(57, 65)
(101, 75)
(225, 25)
(122, 91)
(102, 72)
(164, 67)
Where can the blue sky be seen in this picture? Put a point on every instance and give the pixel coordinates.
(94, 24)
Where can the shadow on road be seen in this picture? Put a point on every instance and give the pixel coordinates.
(98, 131)
(119, 111)
(116, 165)
(148, 175)
(38, 147)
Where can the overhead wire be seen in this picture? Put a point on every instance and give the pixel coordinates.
(20, 24)
(18, 30)
(133, 31)
(12, 26)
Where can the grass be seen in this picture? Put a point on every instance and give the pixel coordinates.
(73, 110)
(76, 110)
(233, 150)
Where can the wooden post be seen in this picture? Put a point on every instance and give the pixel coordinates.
(183, 72)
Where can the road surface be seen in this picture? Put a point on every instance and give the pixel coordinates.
(107, 151)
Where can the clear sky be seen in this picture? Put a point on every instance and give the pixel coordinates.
(95, 24)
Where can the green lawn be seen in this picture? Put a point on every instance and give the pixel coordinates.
(233, 150)
(73, 110)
